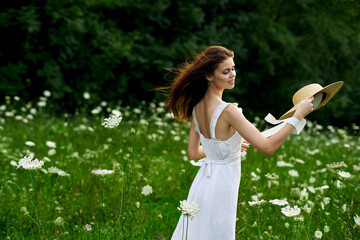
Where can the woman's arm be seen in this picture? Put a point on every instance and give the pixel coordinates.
(195, 151)
(235, 118)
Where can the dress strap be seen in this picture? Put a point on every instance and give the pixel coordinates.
(218, 110)
(195, 121)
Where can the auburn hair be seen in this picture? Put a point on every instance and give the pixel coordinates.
(190, 83)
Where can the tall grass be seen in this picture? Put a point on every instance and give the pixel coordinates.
(148, 148)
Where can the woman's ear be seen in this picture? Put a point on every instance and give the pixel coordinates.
(209, 78)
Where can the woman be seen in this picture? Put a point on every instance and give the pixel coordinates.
(220, 127)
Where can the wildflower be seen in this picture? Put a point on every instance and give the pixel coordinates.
(30, 143)
(335, 164)
(304, 195)
(58, 172)
(306, 208)
(326, 229)
(312, 152)
(50, 144)
(41, 104)
(86, 95)
(29, 164)
(318, 234)
(137, 204)
(291, 212)
(254, 177)
(357, 220)
(284, 164)
(102, 172)
(256, 202)
(293, 173)
(295, 193)
(51, 152)
(279, 202)
(287, 225)
(188, 209)
(146, 190)
(47, 93)
(88, 227)
(344, 174)
(59, 221)
(112, 121)
(24, 210)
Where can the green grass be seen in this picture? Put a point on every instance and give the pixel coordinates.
(148, 148)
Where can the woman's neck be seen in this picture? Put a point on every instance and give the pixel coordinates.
(213, 91)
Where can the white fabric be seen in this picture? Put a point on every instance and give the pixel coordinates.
(271, 119)
(215, 187)
(292, 120)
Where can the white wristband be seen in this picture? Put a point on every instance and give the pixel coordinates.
(293, 121)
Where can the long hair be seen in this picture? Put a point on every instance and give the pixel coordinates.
(190, 84)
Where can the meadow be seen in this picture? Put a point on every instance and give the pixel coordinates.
(316, 174)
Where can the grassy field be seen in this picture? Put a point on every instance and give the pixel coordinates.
(317, 171)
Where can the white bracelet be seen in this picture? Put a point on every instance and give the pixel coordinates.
(293, 121)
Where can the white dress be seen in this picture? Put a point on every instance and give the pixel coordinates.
(215, 187)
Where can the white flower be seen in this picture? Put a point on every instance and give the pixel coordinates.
(304, 195)
(344, 174)
(137, 204)
(189, 209)
(47, 93)
(357, 220)
(291, 212)
(33, 111)
(281, 163)
(256, 202)
(50, 144)
(102, 172)
(146, 190)
(279, 202)
(58, 172)
(86, 95)
(318, 234)
(254, 177)
(326, 229)
(30, 143)
(29, 164)
(51, 152)
(59, 221)
(272, 176)
(112, 121)
(24, 210)
(41, 103)
(293, 173)
(287, 225)
(88, 227)
(335, 164)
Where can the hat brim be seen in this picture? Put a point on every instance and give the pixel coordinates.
(329, 91)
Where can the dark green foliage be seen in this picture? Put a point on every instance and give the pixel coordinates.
(120, 50)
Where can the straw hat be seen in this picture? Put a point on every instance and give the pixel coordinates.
(321, 96)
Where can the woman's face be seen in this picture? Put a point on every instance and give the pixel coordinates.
(224, 75)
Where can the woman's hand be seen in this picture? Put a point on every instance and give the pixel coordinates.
(244, 146)
(304, 108)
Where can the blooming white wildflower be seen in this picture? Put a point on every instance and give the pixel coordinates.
(357, 220)
(96, 110)
(112, 121)
(279, 202)
(327, 200)
(326, 229)
(47, 93)
(24, 210)
(306, 208)
(41, 104)
(58, 172)
(102, 172)
(318, 234)
(188, 209)
(291, 212)
(88, 227)
(312, 152)
(335, 164)
(300, 161)
(356, 168)
(304, 195)
(51, 152)
(50, 144)
(318, 162)
(344, 174)
(293, 173)
(30, 143)
(272, 176)
(137, 204)
(29, 164)
(86, 95)
(59, 221)
(256, 202)
(254, 177)
(312, 179)
(281, 163)
(287, 225)
(146, 190)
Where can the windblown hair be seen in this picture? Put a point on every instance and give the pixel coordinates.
(190, 84)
